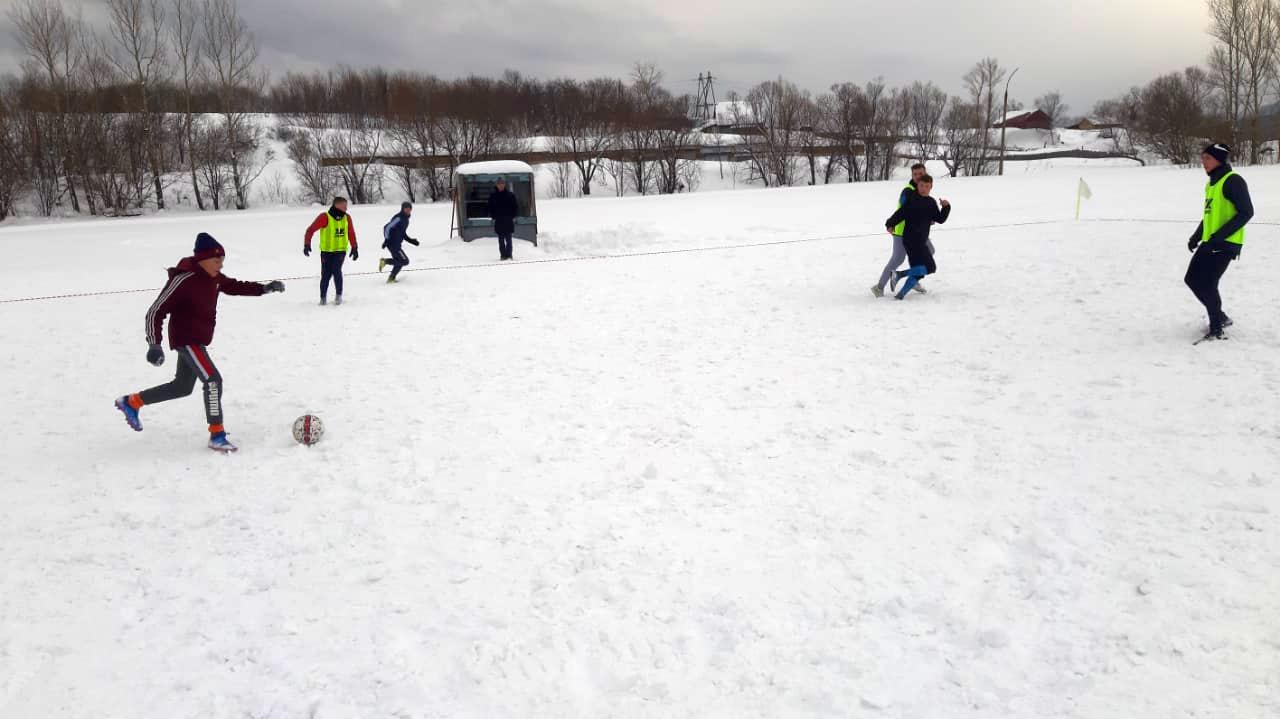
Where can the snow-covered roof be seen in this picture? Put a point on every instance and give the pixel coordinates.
(733, 110)
(495, 167)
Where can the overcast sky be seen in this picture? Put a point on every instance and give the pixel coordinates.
(1088, 49)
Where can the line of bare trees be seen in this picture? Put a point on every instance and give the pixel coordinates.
(157, 105)
(1232, 98)
(102, 119)
(635, 132)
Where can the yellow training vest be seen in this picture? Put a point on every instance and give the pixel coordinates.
(1218, 211)
(333, 238)
(902, 226)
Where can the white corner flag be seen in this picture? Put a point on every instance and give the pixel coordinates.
(1084, 193)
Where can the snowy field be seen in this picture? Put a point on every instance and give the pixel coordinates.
(717, 483)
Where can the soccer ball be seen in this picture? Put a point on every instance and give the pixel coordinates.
(308, 429)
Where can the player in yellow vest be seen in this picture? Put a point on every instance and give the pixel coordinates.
(1220, 236)
(337, 235)
(899, 250)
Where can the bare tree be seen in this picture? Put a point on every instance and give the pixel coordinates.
(928, 109)
(870, 125)
(189, 50)
(981, 81)
(775, 110)
(1172, 117)
(140, 54)
(1124, 114)
(13, 155)
(1052, 105)
(49, 37)
(1226, 61)
(232, 53)
(583, 123)
(842, 123)
(892, 129)
(1257, 41)
(963, 139)
(317, 180)
(812, 144)
(673, 140)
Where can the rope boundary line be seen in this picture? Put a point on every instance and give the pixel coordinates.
(615, 256)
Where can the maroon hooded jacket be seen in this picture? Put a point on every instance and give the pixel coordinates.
(190, 300)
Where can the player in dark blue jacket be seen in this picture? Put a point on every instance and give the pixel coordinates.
(919, 213)
(394, 233)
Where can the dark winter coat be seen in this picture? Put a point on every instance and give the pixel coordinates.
(396, 231)
(190, 300)
(919, 212)
(503, 208)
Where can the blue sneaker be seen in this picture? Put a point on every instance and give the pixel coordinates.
(130, 414)
(220, 443)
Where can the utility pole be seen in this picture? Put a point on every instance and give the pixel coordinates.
(1004, 122)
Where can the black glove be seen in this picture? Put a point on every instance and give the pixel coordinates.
(155, 355)
(1194, 243)
(273, 286)
(411, 241)
(306, 250)
(355, 253)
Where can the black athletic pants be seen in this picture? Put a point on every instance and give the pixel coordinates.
(1207, 266)
(331, 268)
(193, 363)
(504, 246)
(919, 254)
(399, 260)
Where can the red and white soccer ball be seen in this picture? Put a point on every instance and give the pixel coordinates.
(308, 429)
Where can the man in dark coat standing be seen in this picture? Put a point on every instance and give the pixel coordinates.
(503, 208)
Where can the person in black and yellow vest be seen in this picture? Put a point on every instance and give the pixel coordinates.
(337, 235)
(1220, 237)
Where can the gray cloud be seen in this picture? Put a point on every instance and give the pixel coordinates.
(1088, 49)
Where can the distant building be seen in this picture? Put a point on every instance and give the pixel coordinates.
(1087, 124)
(1026, 120)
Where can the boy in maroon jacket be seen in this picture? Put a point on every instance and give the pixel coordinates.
(190, 300)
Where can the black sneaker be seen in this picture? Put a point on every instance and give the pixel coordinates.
(1213, 336)
(893, 281)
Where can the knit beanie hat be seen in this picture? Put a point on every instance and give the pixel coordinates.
(1219, 151)
(207, 247)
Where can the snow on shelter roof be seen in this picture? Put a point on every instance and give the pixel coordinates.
(495, 167)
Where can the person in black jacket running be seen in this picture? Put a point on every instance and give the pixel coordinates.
(919, 213)
(503, 208)
(1220, 237)
(394, 234)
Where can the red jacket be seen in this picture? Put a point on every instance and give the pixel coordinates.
(190, 300)
(321, 221)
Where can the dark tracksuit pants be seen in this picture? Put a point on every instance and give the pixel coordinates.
(193, 363)
(399, 260)
(504, 244)
(920, 257)
(331, 268)
(1207, 266)
(920, 254)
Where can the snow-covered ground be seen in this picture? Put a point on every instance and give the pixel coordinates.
(719, 483)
